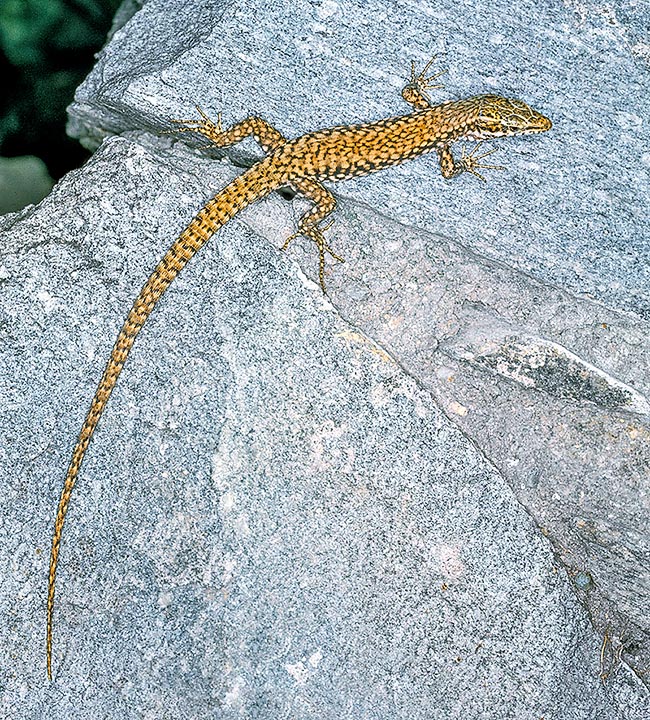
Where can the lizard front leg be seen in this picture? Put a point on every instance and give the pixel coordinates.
(308, 225)
(469, 161)
(415, 93)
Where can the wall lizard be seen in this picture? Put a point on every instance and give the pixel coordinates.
(333, 154)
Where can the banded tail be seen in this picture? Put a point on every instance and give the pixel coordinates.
(241, 192)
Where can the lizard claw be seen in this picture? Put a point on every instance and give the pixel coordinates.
(316, 234)
(423, 83)
(204, 126)
(470, 161)
(415, 93)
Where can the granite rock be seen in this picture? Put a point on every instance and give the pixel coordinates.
(424, 496)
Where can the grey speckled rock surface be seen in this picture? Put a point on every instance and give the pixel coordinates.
(299, 510)
(274, 520)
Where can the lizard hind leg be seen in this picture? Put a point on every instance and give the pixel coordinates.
(267, 137)
(309, 223)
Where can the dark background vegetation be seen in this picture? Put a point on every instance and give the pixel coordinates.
(47, 47)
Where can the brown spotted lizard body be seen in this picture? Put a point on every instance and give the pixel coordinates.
(333, 154)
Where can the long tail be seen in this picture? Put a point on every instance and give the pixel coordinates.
(241, 192)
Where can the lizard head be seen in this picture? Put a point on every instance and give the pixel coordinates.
(496, 116)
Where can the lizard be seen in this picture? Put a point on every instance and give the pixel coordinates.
(331, 154)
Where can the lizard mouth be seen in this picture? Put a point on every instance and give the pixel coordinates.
(542, 125)
(539, 124)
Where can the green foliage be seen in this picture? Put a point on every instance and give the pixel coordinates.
(30, 30)
(46, 49)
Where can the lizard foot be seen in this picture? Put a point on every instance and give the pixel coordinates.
(316, 234)
(470, 161)
(416, 90)
(205, 126)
